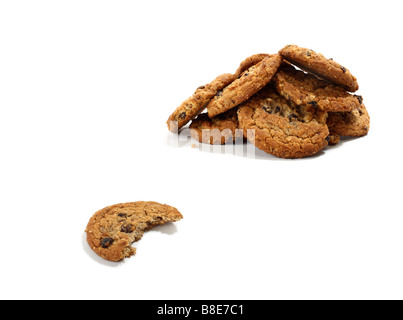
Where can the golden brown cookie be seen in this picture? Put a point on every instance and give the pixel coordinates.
(281, 127)
(302, 88)
(249, 62)
(320, 66)
(355, 123)
(221, 129)
(195, 104)
(112, 230)
(249, 82)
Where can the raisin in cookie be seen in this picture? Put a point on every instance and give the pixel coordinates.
(195, 104)
(282, 128)
(218, 130)
(112, 230)
(353, 124)
(302, 88)
(320, 66)
(249, 82)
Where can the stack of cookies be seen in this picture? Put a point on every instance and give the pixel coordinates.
(291, 104)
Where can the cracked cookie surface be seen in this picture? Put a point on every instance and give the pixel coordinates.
(249, 82)
(319, 65)
(302, 88)
(195, 104)
(218, 130)
(112, 230)
(282, 128)
(355, 123)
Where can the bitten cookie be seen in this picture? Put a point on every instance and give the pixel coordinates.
(302, 88)
(353, 124)
(218, 130)
(249, 82)
(112, 230)
(320, 66)
(282, 128)
(195, 104)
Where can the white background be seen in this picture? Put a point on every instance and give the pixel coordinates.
(85, 90)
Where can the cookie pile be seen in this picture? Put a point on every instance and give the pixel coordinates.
(291, 104)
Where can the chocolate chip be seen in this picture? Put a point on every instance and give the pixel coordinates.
(182, 115)
(268, 110)
(106, 242)
(219, 94)
(292, 116)
(245, 74)
(313, 103)
(201, 87)
(360, 99)
(122, 215)
(344, 69)
(328, 138)
(127, 228)
(308, 53)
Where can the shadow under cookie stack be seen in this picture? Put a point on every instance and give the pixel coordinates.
(286, 111)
